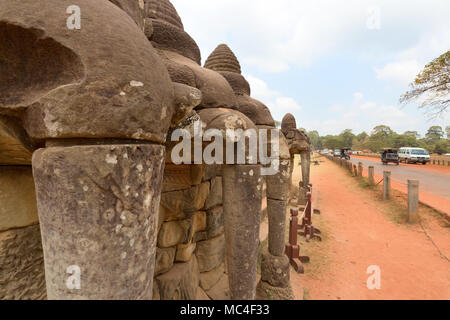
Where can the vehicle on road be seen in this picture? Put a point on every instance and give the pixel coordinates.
(414, 155)
(337, 153)
(390, 155)
(345, 153)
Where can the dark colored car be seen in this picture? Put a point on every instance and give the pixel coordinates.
(390, 155)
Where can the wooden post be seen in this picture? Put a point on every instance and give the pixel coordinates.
(386, 185)
(355, 170)
(360, 169)
(413, 200)
(371, 176)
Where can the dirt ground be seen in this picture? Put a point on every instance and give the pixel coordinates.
(361, 230)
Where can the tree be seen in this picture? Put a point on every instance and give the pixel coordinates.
(432, 86)
(316, 140)
(447, 129)
(333, 142)
(362, 136)
(347, 138)
(441, 147)
(435, 133)
(414, 134)
(384, 130)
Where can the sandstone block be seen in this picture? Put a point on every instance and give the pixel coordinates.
(175, 232)
(185, 252)
(215, 222)
(181, 282)
(164, 260)
(215, 196)
(22, 265)
(210, 253)
(179, 204)
(211, 278)
(17, 197)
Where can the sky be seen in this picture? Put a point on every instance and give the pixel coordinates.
(333, 64)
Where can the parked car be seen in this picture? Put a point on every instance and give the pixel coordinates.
(390, 155)
(447, 154)
(337, 153)
(414, 155)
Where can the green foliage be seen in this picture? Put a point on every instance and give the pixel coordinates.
(432, 86)
(315, 138)
(442, 147)
(383, 137)
(434, 133)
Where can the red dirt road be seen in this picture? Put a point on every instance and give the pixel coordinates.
(359, 231)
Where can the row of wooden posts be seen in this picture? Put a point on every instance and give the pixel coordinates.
(413, 185)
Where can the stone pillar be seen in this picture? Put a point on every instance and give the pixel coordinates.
(306, 167)
(413, 200)
(275, 276)
(242, 206)
(98, 209)
(386, 185)
(371, 176)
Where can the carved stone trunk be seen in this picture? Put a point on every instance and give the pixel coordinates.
(98, 209)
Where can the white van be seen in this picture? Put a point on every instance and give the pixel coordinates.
(414, 155)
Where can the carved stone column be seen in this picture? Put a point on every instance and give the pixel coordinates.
(242, 207)
(98, 209)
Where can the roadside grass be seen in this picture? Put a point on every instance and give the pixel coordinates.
(396, 209)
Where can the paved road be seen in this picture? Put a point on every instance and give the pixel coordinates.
(431, 182)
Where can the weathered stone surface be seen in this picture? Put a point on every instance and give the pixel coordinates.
(22, 265)
(215, 196)
(181, 177)
(134, 8)
(221, 291)
(223, 59)
(278, 184)
(199, 222)
(276, 210)
(200, 236)
(255, 110)
(17, 197)
(15, 146)
(175, 232)
(181, 282)
(210, 253)
(165, 258)
(98, 209)
(163, 10)
(275, 270)
(210, 172)
(185, 252)
(237, 82)
(215, 222)
(186, 99)
(179, 204)
(156, 295)
(90, 83)
(265, 291)
(201, 295)
(216, 92)
(211, 278)
(242, 208)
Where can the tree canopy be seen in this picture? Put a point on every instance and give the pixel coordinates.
(432, 86)
(383, 137)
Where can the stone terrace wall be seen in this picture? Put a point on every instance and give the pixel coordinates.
(21, 257)
(190, 258)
